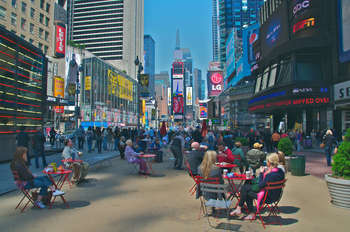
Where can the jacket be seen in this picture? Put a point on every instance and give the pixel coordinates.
(271, 177)
(38, 141)
(227, 157)
(23, 173)
(195, 158)
(130, 154)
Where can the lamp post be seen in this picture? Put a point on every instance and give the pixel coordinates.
(139, 67)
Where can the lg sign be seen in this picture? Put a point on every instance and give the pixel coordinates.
(216, 78)
(301, 6)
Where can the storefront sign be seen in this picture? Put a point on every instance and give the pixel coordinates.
(88, 83)
(188, 96)
(303, 24)
(294, 102)
(342, 91)
(215, 83)
(60, 49)
(58, 89)
(119, 86)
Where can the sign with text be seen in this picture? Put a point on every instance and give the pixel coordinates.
(58, 89)
(119, 86)
(60, 49)
(88, 83)
(215, 83)
(342, 91)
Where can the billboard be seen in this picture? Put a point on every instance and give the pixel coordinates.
(274, 32)
(178, 105)
(230, 54)
(87, 83)
(119, 86)
(250, 36)
(169, 96)
(58, 89)
(60, 48)
(344, 30)
(178, 70)
(189, 96)
(178, 87)
(215, 83)
(144, 82)
(73, 62)
(203, 110)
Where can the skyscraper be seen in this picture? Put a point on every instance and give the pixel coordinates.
(236, 14)
(110, 29)
(197, 79)
(215, 31)
(149, 57)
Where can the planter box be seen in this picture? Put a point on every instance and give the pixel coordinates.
(339, 190)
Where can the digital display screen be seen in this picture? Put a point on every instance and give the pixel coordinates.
(344, 30)
(21, 84)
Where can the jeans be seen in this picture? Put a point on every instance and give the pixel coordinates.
(178, 156)
(99, 144)
(81, 141)
(40, 152)
(247, 196)
(116, 142)
(42, 182)
(89, 143)
(328, 151)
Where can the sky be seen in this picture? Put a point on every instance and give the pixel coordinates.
(192, 18)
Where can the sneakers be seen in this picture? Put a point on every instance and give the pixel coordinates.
(40, 205)
(57, 193)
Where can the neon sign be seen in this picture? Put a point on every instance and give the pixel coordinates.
(307, 23)
(301, 6)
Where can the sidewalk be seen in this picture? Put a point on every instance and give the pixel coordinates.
(6, 178)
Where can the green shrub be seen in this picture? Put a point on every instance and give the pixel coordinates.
(341, 160)
(244, 141)
(286, 146)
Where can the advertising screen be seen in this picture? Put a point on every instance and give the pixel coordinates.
(178, 70)
(22, 84)
(73, 61)
(215, 83)
(230, 55)
(178, 105)
(203, 110)
(178, 87)
(274, 32)
(60, 48)
(189, 96)
(344, 30)
(250, 36)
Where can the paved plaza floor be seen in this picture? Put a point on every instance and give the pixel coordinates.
(115, 198)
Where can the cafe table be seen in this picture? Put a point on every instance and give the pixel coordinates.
(63, 176)
(236, 187)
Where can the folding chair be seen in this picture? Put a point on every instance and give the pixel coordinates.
(270, 204)
(211, 187)
(26, 193)
(194, 177)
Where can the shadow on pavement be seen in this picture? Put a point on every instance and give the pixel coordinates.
(289, 209)
(276, 220)
(72, 205)
(228, 226)
(157, 175)
(88, 182)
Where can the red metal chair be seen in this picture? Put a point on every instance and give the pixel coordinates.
(270, 204)
(26, 193)
(194, 177)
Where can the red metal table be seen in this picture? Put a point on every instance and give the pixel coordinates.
(147, 158)
(226, 165)
(63, 176)
(236, 188)
(71, 161)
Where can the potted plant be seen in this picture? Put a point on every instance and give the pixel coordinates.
(286, 146)
(339, 182)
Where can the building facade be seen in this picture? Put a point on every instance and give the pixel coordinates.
(150, 62)
(110, 29)
(215, 31)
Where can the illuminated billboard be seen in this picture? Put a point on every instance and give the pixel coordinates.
(344, 30)
(215, 83)
(60, 48)
(178, 87)
(178, 105)
(178, 70)
(203, 110)
(73, 61)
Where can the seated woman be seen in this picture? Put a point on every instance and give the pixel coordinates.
(208, 169)
(237, 151)
(132, 157)
(80, 170)
(25, 179)
(272, 174)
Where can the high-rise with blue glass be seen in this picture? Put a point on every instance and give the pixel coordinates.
(236, 14)
(149, 57)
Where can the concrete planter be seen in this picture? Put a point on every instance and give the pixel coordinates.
(339, 190)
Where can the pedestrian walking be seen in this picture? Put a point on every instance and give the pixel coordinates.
(52, 136)
(330, 143)
(23, 141)
(99, 139)
(177, 148)
(81, 137)
(89, 138)
(38, 147)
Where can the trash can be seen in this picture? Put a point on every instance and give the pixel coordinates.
(298, 165)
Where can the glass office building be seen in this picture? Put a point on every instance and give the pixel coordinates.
(109, 96)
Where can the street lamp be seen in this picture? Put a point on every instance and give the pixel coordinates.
(139, 67)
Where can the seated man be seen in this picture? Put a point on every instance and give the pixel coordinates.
(80, 170)
(195, 158)
(225, 154)
(255, 157)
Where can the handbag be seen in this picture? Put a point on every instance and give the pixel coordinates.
(322, 145)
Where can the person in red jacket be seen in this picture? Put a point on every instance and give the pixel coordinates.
(225, 154)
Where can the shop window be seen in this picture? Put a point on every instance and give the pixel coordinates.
(13, 19)
(273, 74)
(258, 84)
(2, 12)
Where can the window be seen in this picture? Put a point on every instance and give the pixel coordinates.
(31, 41)
(42, 2)
(32, 12)
(45, 49)
(14, 3)
(47, 7)
(46, 35)
(257, 85)
(31, 28)
(265, 79)
(41, 31)
(23, 36)
(13, 19)
(23, 23)
(41, 18)
(40, 46)
(273, 75)
(24, 7)
(2, 12)
(47, 21)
